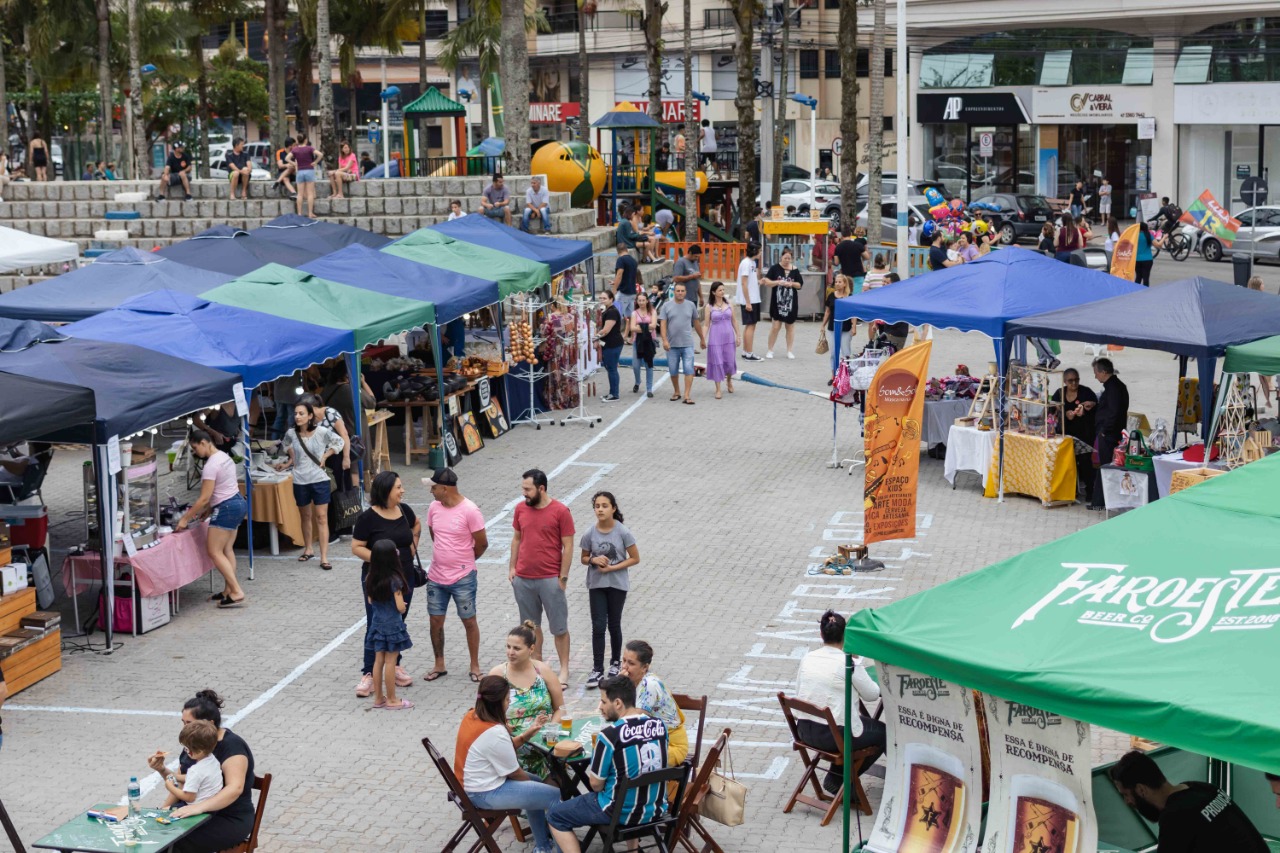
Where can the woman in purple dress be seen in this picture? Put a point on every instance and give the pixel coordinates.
(723, 340)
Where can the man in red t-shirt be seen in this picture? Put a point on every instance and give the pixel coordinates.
(540, 557)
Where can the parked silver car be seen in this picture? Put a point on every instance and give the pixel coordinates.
(1259, 229)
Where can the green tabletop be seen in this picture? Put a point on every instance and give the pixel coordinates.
(581, 731)
(92, 835)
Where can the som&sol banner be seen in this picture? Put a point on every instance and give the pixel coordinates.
(1041, 795)
(933, 786)
(1205, 213)
(891, 438)
(1124, 256)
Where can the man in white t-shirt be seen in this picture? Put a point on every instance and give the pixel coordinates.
(458, 539)
(748, 297)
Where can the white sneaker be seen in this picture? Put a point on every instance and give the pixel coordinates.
(769, 354)
(790, 354)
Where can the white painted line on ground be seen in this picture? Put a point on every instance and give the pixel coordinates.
(62, 709)
(742, 722)
(776, 768)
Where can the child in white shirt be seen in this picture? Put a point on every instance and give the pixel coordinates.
(204, 778)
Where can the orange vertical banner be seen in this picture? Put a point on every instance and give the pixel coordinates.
(1124, 257)
(891, 437)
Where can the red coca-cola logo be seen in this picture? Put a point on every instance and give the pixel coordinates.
(896, 392)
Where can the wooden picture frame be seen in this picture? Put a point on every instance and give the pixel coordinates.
(451, 452)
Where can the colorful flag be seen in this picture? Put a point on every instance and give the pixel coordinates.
(1124, 257)
(891, 438)
(1206, 214)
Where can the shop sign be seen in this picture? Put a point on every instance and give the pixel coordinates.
(552, 113)
(1093, 105)
(971, 108)
(1227, 103)
(672, 111)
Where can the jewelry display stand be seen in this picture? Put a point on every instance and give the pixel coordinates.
(529, 308)
(585, 364)
(862, 371)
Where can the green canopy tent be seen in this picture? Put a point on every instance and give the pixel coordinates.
(1257, 357)
(514, 274)
(1163, 622)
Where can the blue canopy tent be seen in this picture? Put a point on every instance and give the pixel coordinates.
(1193, 318)
(984, 296)
(315, 235)
(559, 255)
(235, 252)
(260, 347)
(105, 283)
(133, 389)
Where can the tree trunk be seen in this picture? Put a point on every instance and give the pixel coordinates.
(875, 127)
(277, 11)
(324, 74)
(745, 17)
(422, 67)
(306, 68)
(202, 104)
(104, 79)
(780, 121)
(848, 39)
(4, 102)
(514, 75)
(584, 78)
(690, 138)
(652, 23)
(137, 160)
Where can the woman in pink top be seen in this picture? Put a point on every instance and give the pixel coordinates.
(348, 170)
(220, 498)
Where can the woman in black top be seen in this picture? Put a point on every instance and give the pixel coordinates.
(842, 289)
(784, 303)
(609, 340)
(1046, 246)
(387, 517)
(1078, 421)
(230, 810)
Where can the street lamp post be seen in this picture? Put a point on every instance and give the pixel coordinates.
(904, 257)
(387, 94)
(812, 103)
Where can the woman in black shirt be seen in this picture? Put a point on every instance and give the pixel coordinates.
(784, 303)
(609, 340)
(842, 289)
(387, 517)
(1078, 421)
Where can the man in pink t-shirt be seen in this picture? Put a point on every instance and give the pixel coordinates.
(458, 539)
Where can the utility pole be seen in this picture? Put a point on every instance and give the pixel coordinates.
(765, 88)
(900, 67)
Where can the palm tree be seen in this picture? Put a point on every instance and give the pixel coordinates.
(277, 19)
(324, 75)
(746, 13)
(690, 138)
(206, 15)
(780, 126)
(135, 158)
(651, 26)
(514, 75)
(848, 29)
(875, 124)
(586, 9)
(103, 9)
(4, 89)
(385, 25)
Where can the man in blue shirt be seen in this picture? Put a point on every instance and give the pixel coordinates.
(631, 744)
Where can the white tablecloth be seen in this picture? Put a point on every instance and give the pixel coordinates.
(1168, 463)
(940, 416)
(968, 449)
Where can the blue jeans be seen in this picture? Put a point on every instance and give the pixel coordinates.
(680, 360)
(611, 356)
(635, 368)
(534, 797)
(1075, 212)
(545, 213)
(582, 810)
(229, 514)
(462, 592)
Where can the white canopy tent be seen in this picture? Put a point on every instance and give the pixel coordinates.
(20, 250)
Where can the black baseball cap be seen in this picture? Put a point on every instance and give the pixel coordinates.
(444, 477)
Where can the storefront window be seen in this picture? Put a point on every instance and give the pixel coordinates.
(1090, 152)
(1139, 66)
(956, 160)
(1193, 64)
(1245, 51)
(1054, 57)
(956, 70)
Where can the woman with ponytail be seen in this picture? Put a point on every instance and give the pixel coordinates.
(608, 551)
(486, 765)
(535, 698)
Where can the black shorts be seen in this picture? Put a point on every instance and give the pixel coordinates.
(750, 314)
(175, 180)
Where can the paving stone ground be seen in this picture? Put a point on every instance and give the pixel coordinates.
(731, 502)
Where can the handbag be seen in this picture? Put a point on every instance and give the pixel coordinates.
(419, 578)
(726, 799)
(344, 508)
(823, 346)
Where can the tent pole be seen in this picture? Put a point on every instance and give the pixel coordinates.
(502, 350)
(835, 408)
(848, 745)
(1002, 365)
(353, 378)
(107, 537)
(436, 352)
(248, 486)
(1208, 368)
(1182, 371)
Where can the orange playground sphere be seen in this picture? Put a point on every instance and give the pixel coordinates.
(571, 167)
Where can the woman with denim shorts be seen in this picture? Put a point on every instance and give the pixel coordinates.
(305, 158)
(219, 497)
(309, 446)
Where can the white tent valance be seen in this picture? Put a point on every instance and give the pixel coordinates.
(20, 250)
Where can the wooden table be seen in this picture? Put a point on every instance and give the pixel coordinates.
(273, 503)
(379, 452)
(429, 411)
(1043, 468)
(89, 835)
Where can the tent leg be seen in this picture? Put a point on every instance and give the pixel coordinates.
(1002, 365)
(353, 378)
(107, 535)
(436, 349)
(1182, 371)
(248, 487)
(848, 746)
(1208, 367)
(502, 350)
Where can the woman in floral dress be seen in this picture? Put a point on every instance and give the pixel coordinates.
(536, 697)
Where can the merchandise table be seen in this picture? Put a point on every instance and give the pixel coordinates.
(274, 504)
(178, 559)
(940, 416)
(968, 449)
(83, 833)
(1043, 468)
(1168, 463)
(428, 410)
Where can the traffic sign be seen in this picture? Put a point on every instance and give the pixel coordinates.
(837, 145)
(1253, 191)
(986, 144)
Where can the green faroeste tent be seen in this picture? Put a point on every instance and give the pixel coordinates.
(1257, 357)
(1163, 622)
(286, 292)
(513, 273)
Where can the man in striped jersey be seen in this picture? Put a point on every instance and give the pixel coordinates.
(631, 744)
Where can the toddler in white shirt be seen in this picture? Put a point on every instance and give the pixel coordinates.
(204, 778)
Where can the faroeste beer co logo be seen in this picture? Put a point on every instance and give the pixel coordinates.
(922, 686)
(1171, 610)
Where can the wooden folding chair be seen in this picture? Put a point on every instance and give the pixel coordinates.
(261, 784)
(686, 704)
(659, 830)
(815, 759)
(690, 829)
(485, 822)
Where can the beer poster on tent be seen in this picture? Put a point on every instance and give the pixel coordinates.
(1041, 789)
(933, 786)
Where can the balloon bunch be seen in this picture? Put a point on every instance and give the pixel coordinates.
(948, 216)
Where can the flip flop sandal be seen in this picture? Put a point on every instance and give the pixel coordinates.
(229, 603)
(217, 596)
(379, 705)
(475, 677)
(688, 402)
(328, 567)
(404, 705)
(675, 397)
(306, 557)
(435, 675)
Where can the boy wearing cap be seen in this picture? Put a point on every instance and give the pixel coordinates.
(458, 539)
(176, 171)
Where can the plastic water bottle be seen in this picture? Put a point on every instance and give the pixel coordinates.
(135, 794)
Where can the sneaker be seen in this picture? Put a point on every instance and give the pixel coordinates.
(791, 355)
(594, 678)
(608, 398)
(769, 354)
(190, 196)
(159, 198)
(750, 356)
(365, 688)
(403, 679)
(614, 666)
(635, 389)
(1053, 363)
(650, 393)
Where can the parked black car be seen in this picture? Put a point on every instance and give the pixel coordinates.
(1020, 215)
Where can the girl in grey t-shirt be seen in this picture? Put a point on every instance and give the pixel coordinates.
(608, 551)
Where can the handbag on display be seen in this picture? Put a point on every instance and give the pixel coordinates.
(726, 799)
(824, 346)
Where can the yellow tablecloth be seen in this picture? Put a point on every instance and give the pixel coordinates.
(274, 504)
(1043, 468)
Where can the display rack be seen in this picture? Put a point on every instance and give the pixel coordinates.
(585, 363)
(529, 308)
(139, 500)
(1032, 410)
(1237, 413)
(862, 372)
(982, 409)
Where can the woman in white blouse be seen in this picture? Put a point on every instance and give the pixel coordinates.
(821, 682)
(309, 446)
